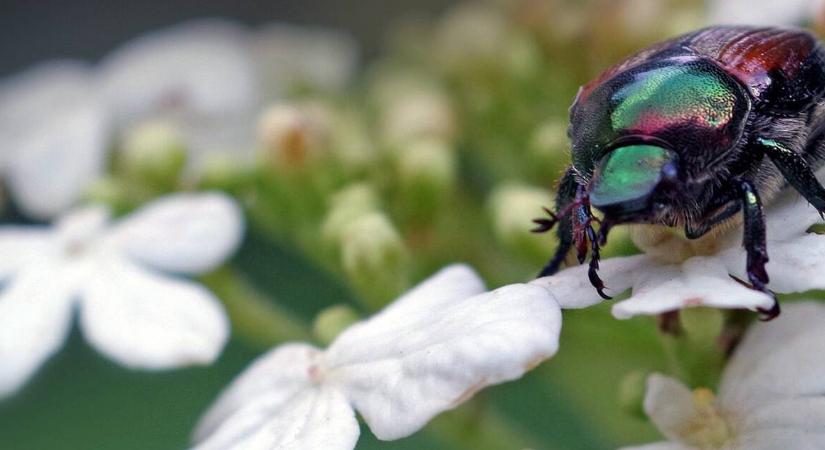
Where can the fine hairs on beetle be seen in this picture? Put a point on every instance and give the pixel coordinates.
(690, 132)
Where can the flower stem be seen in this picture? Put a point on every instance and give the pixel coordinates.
(255, 318)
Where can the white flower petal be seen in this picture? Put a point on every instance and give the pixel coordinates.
(432, 361)
(55, 129)
(794, 266)
(573, 289)
(186, 233)
(144, 320)
(316, 417)
(20, 245)
(199, 68)
(781, 438)
(35, 317)
(449, 285)
(788, 217)
(798, 414)
(280, 374)
(699, 281)
(669, 404)
(778, 360)
(289, 56)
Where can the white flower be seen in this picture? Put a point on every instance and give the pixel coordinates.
(770, 396)
(796, 260)
(53, 136)
(428, 352)
(113, 274)
(763, 12)
(289, 56)
(199, 75)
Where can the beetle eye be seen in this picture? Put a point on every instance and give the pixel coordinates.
(628, 175)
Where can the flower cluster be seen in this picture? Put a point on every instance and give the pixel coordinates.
(133, 182)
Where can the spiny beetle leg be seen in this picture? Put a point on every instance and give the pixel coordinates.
(753, 239)
(564, 225)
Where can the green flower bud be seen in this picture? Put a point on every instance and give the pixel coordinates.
(293, 135)
(110, 192)
(512, 209)
(426, 172)
(632, 389)
(548, 147)
(346, 206)
(374, 258)
(223, 172)
(702, 324)
(330, 322)
(154, 152)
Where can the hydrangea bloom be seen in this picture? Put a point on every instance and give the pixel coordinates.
(113, 275)
(53, 135)
(770, 395)
(426, 353)
(658, 285)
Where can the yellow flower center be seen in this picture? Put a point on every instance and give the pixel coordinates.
(709, 428)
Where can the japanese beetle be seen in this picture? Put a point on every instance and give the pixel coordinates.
(691, 131)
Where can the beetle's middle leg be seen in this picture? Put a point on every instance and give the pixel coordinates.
(754, 241)
(796, 171)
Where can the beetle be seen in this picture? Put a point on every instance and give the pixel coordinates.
(690, 132)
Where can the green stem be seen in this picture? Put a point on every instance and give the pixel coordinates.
(254, 318)
(478, 427)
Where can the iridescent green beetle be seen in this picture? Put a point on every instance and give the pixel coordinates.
(688, 133)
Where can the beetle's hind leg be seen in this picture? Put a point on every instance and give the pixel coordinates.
(754, 241)
(796, 171)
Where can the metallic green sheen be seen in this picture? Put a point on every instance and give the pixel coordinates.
(628, 173)
(670, 95)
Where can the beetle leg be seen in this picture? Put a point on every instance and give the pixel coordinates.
(700, 229)
(753, 239)
(565, 201)
(796, 171)
(584, 234)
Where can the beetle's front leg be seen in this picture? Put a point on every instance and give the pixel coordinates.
(754, 241)
(562, 219)
(584, 233)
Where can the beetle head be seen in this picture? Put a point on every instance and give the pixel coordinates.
(634, 183)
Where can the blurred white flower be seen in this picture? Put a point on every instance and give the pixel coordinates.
(199, 75)
(300, 56)
(113, 274)
(426, 353)
(796, 260)
(763, 12)
(770, 396)
(53, 136)
(211, 78)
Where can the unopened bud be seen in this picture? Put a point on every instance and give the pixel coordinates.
(548, 147)
(374, 258)
(632, 389)
(154, 152)
(345, 206)
(330, 322)
(293, 135)
(702, 324)
(426, 172)
(512, 208)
